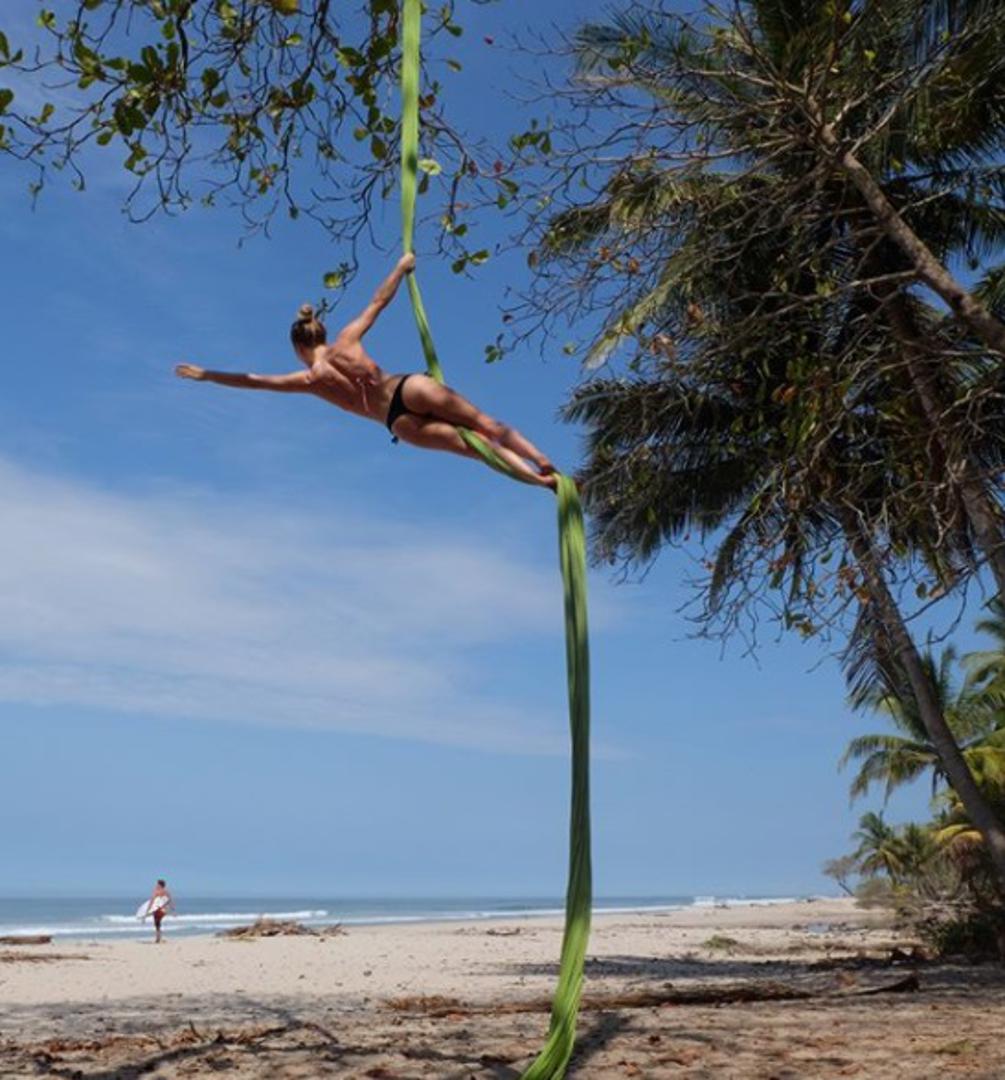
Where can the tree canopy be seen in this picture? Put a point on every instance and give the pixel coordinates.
(286, 106)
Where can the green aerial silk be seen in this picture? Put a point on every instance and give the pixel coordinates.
(551, 1063)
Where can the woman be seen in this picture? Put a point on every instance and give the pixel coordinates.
(415, 408)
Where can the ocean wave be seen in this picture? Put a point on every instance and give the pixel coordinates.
(225, 916)
(742, 901)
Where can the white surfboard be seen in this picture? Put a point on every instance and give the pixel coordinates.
(148, 907)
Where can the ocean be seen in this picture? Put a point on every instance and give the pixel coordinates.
(114, 919)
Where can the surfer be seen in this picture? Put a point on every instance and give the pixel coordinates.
(414, 408)
(159, 904)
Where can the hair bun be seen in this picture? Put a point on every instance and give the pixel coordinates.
(305, 313)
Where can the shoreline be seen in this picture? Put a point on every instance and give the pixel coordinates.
(127, 928)
(468, 998)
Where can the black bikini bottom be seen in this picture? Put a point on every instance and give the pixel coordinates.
(398, 408)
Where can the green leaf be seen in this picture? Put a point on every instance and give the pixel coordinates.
(333, 279)
(378, 148)
(285, 7)
(6, 97)
(479, 257)
(4, 45)
(431, 166)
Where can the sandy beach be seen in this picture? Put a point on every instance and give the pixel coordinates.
(667, 994)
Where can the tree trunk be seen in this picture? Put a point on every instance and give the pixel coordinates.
(950, 755)
(982, 513)
(965, 305)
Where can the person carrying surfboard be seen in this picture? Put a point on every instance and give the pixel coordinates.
(159, 904)
(415, 408)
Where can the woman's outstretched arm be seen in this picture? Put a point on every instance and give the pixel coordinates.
(381, 298)
(296, 381)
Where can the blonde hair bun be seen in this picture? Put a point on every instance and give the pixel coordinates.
(308, 331)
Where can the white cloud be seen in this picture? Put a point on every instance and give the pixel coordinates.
(186, 604)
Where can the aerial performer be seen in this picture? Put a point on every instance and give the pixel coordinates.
(415, 408)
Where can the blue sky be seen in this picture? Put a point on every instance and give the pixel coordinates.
(249, 645)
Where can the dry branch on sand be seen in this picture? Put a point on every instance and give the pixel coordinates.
(736, 993)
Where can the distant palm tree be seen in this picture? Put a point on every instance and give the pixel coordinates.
(987, 668)
(879, 849)
(972, 713)
(918, 849)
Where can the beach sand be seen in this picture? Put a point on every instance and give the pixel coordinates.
(461, 1000)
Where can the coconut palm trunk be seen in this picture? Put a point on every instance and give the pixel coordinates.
(958, 772)
(964, 304)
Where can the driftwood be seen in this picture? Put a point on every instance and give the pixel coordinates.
(733, 994)
(38, 958)
(280, 928)
(26, 939)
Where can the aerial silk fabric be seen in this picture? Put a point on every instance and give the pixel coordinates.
(552, 1061)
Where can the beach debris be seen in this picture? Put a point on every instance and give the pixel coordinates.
(958, 1046)
(916, 955)
(910, 984)
(424, 1003)
(722, 943)
(38, 958)
(265, 927)
(26, 939)
(503, 931)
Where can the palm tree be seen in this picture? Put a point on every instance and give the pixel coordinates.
(963, 846)
(920, 107)
(986, 668)
(918, 849)
(893, 760)
(879, 849)
(767, 398)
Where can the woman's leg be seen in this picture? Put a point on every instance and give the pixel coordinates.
(422, 394)
(438, 435)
